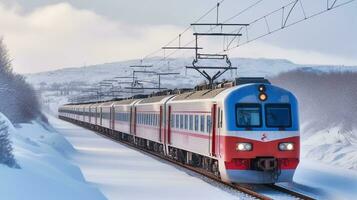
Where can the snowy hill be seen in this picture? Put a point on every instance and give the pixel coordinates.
(45, 170)
(187, 78)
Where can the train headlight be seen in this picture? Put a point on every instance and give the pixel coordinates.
(261, 88)
(263, 97)
(243, 146)
(286, 146)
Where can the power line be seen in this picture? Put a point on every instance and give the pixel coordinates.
(284, 19)
(184, 31)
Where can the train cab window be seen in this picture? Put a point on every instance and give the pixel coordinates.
(248, 115)
(278, 115)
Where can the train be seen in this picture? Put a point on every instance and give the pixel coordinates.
(247, 132)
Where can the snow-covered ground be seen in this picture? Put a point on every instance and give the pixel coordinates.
(46, 173)
(334, 146)
(124, 173)
(64, 161)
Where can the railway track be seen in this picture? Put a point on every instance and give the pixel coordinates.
(246, 189)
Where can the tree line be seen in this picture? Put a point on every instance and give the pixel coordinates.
(19, 100)
(326, 99)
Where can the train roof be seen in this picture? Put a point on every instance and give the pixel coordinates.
(202, 94)
(106, 104)
(154, 99)
(125, 102)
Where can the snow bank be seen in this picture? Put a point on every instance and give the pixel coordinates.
(45, 171)
(324, 181)
(335, 146)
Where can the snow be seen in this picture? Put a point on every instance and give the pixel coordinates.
(334, 146)
(65, 161)
(124, 173)
(324, 181)
(45, 171)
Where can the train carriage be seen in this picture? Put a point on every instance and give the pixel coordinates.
(150, 118)
(93, 114)
(105, 114)
(123, 116)
(191, 121)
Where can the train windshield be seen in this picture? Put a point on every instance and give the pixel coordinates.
(278, 115)
(248, 115)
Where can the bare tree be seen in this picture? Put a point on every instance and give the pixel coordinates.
(18, 99)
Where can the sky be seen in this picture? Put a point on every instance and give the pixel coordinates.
(43, 35)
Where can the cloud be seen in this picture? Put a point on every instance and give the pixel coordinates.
(60, 35)
(264, 50)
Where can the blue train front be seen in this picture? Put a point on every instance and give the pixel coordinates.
(259, 140)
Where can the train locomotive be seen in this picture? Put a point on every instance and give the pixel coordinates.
(248, 133)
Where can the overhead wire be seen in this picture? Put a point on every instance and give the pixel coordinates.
(334, 6)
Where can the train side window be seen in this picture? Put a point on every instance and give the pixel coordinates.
(196, 122)
(209, 125)
(157, 119)
(172, 120)
(186, 122)
(191, 122)
(181, 121)
(177, 121)
(154, 119)
(202, 123)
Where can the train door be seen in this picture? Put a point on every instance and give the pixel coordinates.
(134, 121)
(161, 139)
(169, 125)
(96, 116)
(112, 117)
(100, 116)
(166, 137)
(219, 128)
(89, 114)
(213, 137)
